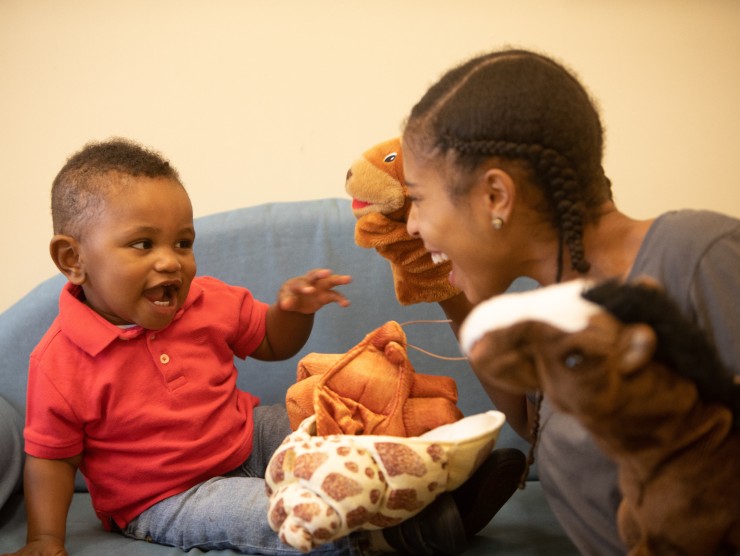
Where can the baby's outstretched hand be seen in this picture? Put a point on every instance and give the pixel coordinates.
(309, 293)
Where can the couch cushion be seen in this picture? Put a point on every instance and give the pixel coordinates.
(21, 327)
(11, 450)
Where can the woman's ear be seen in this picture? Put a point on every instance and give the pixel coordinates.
(500, 193)
(65, 253)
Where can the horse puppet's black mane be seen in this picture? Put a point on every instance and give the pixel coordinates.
(682, 345)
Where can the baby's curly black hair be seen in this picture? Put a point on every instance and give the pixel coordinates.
(520, 106)
(80, 186)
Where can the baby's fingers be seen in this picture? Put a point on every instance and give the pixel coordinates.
(312, 291)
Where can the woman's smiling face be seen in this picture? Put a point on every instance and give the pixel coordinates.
(456, 229)
(137, 255)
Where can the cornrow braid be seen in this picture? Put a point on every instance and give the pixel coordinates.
(557, 178)
(520, 106)
(535, 433)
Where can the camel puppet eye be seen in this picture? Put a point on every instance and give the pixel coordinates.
(573, 360)
(390, 157)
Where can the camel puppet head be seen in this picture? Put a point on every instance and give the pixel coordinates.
(648, 385)
(553, 339)
(588, 346)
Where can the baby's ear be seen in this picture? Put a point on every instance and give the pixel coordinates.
(64, 251)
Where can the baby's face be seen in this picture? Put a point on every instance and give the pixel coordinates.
(137, 254)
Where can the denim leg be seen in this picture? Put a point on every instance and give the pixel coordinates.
(271, 426)
(230, 512)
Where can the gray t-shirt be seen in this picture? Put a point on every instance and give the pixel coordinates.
(695, 255)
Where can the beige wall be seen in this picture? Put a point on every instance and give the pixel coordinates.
(270, 101)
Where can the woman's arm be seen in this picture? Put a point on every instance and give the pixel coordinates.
(520, 413)
(456, 308)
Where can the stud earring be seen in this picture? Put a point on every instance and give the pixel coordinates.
(497, 222)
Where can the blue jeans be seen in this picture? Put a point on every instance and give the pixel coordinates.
(230, 512)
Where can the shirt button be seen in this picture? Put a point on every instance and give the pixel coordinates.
(164, 358)
(153, 337)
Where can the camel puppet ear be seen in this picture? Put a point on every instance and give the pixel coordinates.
(639, 343)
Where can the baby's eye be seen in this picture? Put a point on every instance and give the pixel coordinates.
(184, 244)
(390, 157)
(142, 244)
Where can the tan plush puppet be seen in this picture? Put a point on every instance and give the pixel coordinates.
(322, 488)
(371, 389)
(648, 386)
(381, 205)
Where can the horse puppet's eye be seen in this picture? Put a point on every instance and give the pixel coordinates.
(573, 359)
(390, 157)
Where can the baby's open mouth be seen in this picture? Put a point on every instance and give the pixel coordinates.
(164, 295)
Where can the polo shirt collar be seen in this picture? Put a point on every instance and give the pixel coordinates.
(90, 331)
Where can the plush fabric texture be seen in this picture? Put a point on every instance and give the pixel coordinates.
(324, 487)
(381, 205)
(673, 440)
(371, 389)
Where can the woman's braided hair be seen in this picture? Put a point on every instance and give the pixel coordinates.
(520, 106)
(523, 107)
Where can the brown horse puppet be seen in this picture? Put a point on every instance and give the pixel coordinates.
(649, 387)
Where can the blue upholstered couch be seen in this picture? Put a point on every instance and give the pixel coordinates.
(260, 247)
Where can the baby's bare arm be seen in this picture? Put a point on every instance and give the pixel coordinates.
(290, 319)
(48, 487)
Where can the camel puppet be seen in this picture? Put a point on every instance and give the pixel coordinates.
(648, 386)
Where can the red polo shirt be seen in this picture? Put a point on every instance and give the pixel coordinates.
(152, 412)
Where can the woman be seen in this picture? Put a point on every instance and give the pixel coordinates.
(503, 162)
